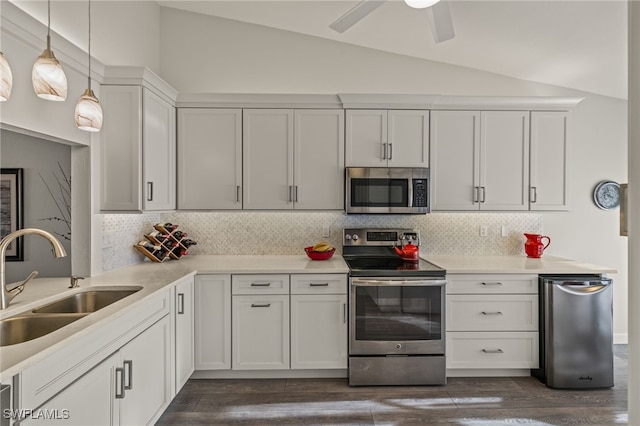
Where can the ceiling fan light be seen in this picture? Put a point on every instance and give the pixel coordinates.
(48, 78)
(88, 112)
(6, 78)
(420, 4)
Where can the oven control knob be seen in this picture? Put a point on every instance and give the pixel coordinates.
(347, 237)
(355, 237)
(398, 346)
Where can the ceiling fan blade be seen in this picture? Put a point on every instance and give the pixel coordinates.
(440, 21)
(354, 15)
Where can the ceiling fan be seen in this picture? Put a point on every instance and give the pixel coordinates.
(437, 12)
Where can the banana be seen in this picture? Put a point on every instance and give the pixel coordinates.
(322, 246)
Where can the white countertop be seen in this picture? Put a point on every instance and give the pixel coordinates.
(156, 276)
(514, 265)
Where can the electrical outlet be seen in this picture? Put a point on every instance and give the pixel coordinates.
(326, 231)
(483, 230)
(503, 231)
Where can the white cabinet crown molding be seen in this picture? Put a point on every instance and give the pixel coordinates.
(139, 76)
(257, 100)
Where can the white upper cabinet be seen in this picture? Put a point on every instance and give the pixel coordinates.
(479, 160)
(293, 159)
(387, 138)
(548, 173)
(137, 150)
(209, 159)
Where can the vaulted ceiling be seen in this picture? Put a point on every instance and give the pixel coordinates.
(577, 44)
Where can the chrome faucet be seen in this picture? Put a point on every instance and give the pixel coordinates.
(8, 295)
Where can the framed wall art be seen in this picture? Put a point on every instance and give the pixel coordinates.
(11, 210)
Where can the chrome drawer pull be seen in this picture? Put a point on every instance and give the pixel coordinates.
(493, 351)
(180, 303)
(492, 313)
(319, 284)
(258, 305)
(495, 283)
(129, 365)
(120, 383)
(260, 284)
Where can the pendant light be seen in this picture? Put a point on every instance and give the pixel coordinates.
(88, 109)
(47, 76)
(420, 4)
(6, 79)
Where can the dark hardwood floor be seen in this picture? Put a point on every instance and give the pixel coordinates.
(463, 401)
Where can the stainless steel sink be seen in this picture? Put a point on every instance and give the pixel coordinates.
(23, 328)
(87, 301)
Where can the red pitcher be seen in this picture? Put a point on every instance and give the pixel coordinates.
(534, 245)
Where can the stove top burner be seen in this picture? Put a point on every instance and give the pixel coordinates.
(370, 266)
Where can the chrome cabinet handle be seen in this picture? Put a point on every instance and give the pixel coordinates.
(319, 284)
(238, 193)
(493, 351)
(390, 151)
(497, 283)
(149, 191)
(476, 190)
(295, 193)
(344, 313)
(482, 200)
(290, 193)
(120, 387)
(492, 313)
(534, 197)
(384, 151)
(260, 305)
(260, 284)
(180, 303)
(129, 365)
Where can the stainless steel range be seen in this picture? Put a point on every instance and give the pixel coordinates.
(396, 310)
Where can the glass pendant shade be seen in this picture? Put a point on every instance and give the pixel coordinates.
(6, 79)
(421, 4)
(88, 112)
(48, 78)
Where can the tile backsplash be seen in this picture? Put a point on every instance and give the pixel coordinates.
(246, 232)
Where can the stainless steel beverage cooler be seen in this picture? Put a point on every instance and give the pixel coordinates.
(576, 331)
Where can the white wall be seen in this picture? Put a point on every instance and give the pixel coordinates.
(229, 56)
(39, 158)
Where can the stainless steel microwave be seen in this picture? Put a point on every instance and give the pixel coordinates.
(387, 190)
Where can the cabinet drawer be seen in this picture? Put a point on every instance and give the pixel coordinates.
(490, 283)
(318, 284)
(496, 312)
(492, 350)
(260, 284)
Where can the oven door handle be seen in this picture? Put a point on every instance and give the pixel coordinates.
(369, 283)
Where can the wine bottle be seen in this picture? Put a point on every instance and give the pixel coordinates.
(178, 252)
(188, 242)
(170, 227)
(160, 254)
(179, 234)
(149, 246)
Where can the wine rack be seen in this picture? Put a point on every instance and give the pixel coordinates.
(165, 243)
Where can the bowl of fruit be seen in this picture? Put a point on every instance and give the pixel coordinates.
(321, 251)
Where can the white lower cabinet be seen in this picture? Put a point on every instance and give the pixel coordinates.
(130, 387)
(212, 307)
(184, 333)
(492, 321)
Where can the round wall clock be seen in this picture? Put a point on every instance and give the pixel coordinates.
(606, 195)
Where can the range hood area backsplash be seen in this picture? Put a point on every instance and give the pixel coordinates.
(287, 233)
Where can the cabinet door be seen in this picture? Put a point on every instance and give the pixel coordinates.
(408, 138)
(121, 148)
(213, 322)
(147, 382)
(455, 160)
(318, 331)
(267, 163)
(366, 138)
(184, 333)
(548, 161)
(319, 159)
(209, 159)
(504, 157)
(159, 152)
(260, 332)
(87, 401)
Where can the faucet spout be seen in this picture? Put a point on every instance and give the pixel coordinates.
(8, 295)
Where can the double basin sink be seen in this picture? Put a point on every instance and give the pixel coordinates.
(48, 318)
